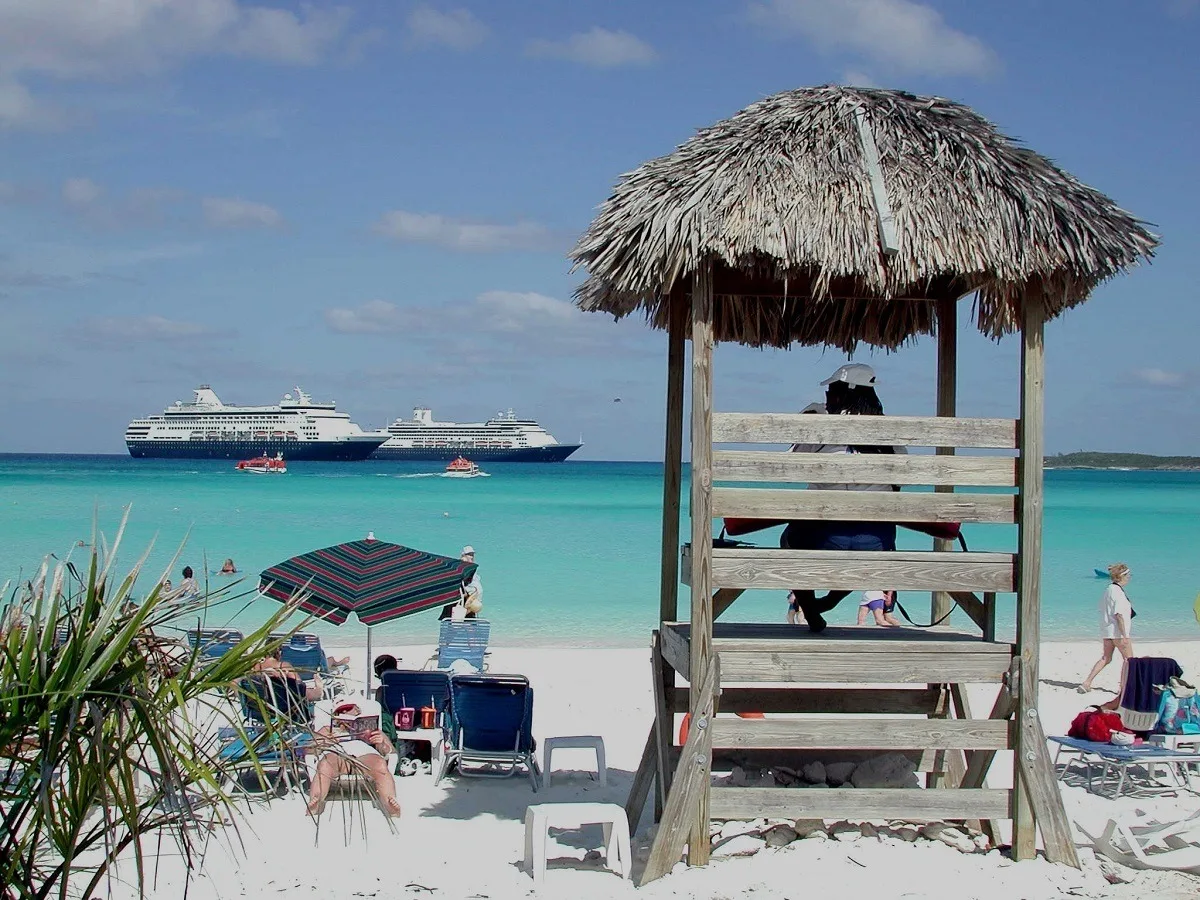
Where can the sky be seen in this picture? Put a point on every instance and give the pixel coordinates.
(375, 199)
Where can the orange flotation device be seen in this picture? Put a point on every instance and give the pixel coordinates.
(687, 721)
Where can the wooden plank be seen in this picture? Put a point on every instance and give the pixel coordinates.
(702, 516)
(980, 761)
(675, 651)
(770, 637)
(1041, 786)
(723, 599)
(668, 609)
(785, 467)
(897, 701)
(895, 667)
(862, 506)
(864, 803)
(643, 779)
(863, 569)
(900, 431)
(664, 721)
(947, 406)
(1029, 555)
(889, 242)
(989, 616)
(860, 734)
(692, 780)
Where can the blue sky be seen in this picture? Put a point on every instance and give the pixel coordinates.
(374, 200)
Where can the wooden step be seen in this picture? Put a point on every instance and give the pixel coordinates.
(856, 570)
(781, 654)
(860, 803)
(860, 733)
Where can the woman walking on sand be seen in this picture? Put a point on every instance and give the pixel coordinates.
(1116, 618)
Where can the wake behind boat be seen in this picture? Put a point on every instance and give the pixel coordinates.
(264, 465)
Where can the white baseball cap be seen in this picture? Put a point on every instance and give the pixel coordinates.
(853, 374)
(468, 551)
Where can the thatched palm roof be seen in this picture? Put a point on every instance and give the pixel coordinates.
(780, 198)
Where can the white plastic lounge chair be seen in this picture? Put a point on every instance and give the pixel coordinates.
(1140, 842)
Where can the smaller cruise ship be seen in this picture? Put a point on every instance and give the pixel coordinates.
(299, 428)
(502, 438)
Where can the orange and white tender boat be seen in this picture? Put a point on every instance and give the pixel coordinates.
(264, 465)
(462, 467)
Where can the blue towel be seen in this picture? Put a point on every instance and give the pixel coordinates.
(1139, 703)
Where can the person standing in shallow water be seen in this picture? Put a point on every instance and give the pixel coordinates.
(850, 391)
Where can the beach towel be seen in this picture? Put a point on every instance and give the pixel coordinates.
(1139, 704)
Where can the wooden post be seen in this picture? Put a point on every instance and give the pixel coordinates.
(1029, 562)
(668, 607)
(947, 405)
(701, 509)
(664, 722)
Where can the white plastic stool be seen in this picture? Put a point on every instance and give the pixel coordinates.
(583, 741)
(541, 817)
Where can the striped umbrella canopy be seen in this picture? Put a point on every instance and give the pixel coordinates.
(375, 580)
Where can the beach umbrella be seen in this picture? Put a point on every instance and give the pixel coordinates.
(375, 580)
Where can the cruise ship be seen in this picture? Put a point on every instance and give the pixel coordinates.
(503, 438)
(206, 428)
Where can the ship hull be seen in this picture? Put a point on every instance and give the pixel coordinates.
(556, 453)
(324, 451)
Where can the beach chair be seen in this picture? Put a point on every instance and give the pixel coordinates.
(304, 653)
(357, 785)
(466, 640)
(212, 643)
(416, 689)
(1140, 842)
(1111, 758)
(491, 727)
(277, 719)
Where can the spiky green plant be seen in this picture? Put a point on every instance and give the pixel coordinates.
(108, 725)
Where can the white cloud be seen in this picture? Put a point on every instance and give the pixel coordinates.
(515, 310)
(1160, 378)
(17, 106)
(903, 35)
(113, 38)
(373, 317)
(234, 212)
(134, 329)
(460, 234)
(596, 47)
(855, 78)
(81, 191)
(457, 29)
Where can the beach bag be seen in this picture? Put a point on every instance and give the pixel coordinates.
(1095, 724)
(1178, 709)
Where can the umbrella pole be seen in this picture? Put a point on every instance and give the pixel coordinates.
(369, 669)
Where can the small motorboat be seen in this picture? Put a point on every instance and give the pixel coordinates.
(264, 465)
(462, 467)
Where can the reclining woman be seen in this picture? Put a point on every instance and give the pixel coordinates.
(850, 391)
(345, 750)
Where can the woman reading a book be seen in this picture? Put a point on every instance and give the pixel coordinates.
(352, 743)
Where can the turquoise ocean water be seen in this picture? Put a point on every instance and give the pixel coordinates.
(569, 553)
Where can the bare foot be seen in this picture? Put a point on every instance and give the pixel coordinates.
(315, 807)
(391, 806)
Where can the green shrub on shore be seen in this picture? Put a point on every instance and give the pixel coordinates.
(108, 726)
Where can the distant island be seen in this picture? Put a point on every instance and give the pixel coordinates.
(1086, 459)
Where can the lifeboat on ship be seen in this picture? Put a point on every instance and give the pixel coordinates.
(264, 465)
(462, 467)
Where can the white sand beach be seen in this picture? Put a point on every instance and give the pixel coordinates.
(464, 838)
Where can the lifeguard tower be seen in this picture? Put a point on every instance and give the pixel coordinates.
(839, 217)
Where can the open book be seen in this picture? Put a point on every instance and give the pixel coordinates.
(359, 726)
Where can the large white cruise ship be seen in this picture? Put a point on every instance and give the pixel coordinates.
(206, 428)
(503, 438)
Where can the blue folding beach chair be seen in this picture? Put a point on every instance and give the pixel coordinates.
(303, 651)
(412, 688)
(277, 718)
(466, 640)
(213, 642)
(491, 727)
